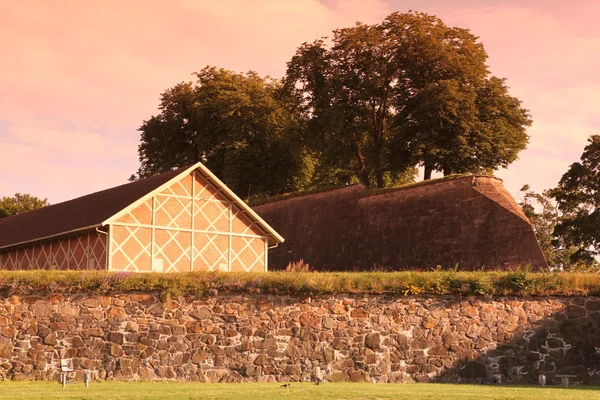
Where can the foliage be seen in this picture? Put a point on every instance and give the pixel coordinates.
(101, 390)
(20, 203)
(436, 282)
(238, 125)
(544, 215)
(409, 90)
(298, 266)
(578, 198)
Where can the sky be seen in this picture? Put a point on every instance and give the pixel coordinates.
(78, 78)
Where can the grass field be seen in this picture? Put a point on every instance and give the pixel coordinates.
(304, 391)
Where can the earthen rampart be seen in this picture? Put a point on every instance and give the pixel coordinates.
(471, 222)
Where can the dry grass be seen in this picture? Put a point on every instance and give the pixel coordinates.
(437, 282)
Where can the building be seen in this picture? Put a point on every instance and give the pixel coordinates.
(469, 221)
(181, 220)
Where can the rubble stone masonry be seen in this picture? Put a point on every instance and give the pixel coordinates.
(254, 337)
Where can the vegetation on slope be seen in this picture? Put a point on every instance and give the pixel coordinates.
(436, 282)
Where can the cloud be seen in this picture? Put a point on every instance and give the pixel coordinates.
(78, 78)
(81, 77)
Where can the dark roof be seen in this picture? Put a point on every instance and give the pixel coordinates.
(78, 214)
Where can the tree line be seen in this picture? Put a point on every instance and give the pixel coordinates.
(368, 106)
(566, 219)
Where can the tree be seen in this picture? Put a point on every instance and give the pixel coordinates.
(407, 91)
(239, 125)
(20, 203)
(544, 215)
(578, 198)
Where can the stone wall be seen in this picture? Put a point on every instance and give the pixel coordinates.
(233, 338)
(472, 222)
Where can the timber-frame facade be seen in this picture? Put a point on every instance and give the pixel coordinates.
(191, 222)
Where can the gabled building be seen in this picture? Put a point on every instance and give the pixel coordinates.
(181, 220)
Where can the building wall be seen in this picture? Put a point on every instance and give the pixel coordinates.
(252, 337)
(189, 226)
(472, 222)
(86, 251)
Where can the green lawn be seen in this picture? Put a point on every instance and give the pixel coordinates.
(266, 391)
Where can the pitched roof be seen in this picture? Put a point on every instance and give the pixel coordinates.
(82, 213)
(100, 208)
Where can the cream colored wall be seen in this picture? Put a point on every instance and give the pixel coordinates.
(189, 226)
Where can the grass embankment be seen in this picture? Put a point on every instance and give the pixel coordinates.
(299, 391)
(406, 283)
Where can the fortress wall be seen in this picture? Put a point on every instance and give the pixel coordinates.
(253, 337)
(318, 227)
(469, 221)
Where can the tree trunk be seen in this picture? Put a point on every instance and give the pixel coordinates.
(378, 167)
(447, 170)
(379, 176)
(364, 173)
(364, 176)
(428, 171)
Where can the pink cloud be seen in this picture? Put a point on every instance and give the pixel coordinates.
(78, 78)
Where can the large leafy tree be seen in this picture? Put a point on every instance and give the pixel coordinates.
(578, 198)
(239, 125)
(544, 215)
(20, 203)
(385, 97)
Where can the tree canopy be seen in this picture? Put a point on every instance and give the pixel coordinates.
(20, 203)
(238, 125)
(410, 90)
(544, 215)
(370, 107)
(578, 198)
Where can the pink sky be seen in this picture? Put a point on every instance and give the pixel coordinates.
(76, 81)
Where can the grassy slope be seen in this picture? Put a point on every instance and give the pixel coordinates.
(266, 391)
(396, 283)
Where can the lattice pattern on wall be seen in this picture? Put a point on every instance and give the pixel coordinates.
(174, 247)
(131, 248)
(78, 252)
(247, 254)
(141, 215)
(173, 211)
(211, 252)
(190, 225)
(242, 224)
(211, 215)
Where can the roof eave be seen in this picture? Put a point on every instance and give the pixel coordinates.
(56, 235)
